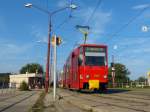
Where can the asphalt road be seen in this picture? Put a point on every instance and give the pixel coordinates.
(18, 101)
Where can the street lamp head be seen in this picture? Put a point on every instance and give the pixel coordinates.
(29, 5)
(73, 6)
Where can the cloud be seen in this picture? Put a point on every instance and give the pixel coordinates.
(126, 41)
(137, 66)
(135, 62)
(146, 14)
(36, 31)
(134, 53)
(98, 21)
(62, 3)
(138, 46)
(39, 34)
(13, 50)
(14, 55)
(141, 6)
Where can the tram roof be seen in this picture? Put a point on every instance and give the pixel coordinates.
(93, 45)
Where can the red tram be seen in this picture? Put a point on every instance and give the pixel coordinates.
(86, 68)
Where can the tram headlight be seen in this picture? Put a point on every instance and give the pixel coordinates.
(105, 76)
(81, 77)
(87, 76)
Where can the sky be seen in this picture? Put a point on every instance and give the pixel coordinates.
(116, 23)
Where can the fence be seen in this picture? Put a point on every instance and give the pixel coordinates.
(129, 85)
(5, 90)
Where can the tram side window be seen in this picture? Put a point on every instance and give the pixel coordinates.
(80, 58)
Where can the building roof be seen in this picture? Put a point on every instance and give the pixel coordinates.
(26, 75)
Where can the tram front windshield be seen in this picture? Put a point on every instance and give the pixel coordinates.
(95, 56)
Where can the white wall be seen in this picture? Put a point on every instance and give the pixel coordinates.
(148, 77)
(19, 78)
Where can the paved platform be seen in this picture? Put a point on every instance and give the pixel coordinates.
(60, 105)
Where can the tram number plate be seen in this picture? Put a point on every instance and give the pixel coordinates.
(93, 84)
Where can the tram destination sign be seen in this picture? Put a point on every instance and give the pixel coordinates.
(94, 49)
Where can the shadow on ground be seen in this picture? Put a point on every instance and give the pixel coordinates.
(109, 91)
(113, 91)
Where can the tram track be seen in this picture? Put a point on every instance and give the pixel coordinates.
(131, 105)
(116, 105)
(11, 96)
(140, 94)
(132, 96)
(18, 99)
(131, 101)
(123, 98)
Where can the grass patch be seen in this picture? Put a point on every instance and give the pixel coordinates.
(24, 86)
(39, 105)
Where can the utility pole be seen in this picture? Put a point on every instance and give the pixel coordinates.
(48, 57)
(55, 41)
(54, 69)
(50, 14)
(113, 71)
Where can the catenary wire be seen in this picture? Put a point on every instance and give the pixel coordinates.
(127, 24)
(65, 20)
(94, 11)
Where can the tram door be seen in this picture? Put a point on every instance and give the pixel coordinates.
(75, 78)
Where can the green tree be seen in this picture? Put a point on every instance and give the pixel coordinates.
(121, 73)
(141, 79)
(4, 77)
(24, 86)
(31, 68)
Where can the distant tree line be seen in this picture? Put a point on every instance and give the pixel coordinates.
(4, 80)
(121, 73)
(4, 77)
(31, 68)
(141, 79)
(122, 76)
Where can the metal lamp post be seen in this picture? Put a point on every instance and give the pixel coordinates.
(50, 14)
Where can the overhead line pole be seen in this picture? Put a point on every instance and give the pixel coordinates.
(54, 69)
(48, 58)
(50, 14)
(113, 71)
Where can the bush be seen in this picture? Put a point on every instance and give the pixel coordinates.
(24, 86)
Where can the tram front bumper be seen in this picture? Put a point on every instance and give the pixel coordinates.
(93, 84)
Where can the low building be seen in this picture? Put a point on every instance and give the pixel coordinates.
(148, 78)
(4, 80)
(32, 79)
